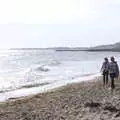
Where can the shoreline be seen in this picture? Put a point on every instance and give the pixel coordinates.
(22, 92)
(47, 92)
(76, 101)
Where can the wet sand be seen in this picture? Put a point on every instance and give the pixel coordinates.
(79, 101)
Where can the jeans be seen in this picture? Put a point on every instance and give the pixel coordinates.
(112, 76)
(105, 78)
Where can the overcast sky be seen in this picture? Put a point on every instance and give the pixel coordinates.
(47, 23)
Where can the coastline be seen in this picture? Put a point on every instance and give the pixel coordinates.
(42, 88)
(77, 101)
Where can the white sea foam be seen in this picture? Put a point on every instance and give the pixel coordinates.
(45, 88)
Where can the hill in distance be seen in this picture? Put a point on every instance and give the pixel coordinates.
(112, 47)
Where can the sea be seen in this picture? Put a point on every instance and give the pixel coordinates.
(28, 72)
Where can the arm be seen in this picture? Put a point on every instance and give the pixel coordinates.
(101, 68)
(117, 70)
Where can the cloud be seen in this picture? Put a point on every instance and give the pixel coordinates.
(115, 2)
(45, 11)
(39, 23)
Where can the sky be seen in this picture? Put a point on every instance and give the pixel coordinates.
(49, 23)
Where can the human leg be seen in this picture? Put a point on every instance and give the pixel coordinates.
(112, 75)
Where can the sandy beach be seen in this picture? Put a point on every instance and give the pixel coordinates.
(79, 101)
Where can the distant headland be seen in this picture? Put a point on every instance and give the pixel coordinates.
(110, 48)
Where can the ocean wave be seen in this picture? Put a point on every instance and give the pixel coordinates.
(43, 68)
(34, 85)
(25, 86)
(47, 67)
(54, 63)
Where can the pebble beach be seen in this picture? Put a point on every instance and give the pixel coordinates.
(79, 101)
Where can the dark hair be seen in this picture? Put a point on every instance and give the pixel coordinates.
(112, 58)
(106, 59)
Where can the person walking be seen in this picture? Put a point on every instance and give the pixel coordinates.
(105, 71)
(114, 72)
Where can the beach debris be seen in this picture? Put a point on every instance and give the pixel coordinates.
(92, 104)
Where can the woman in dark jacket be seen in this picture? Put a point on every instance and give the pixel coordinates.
(105, 71)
